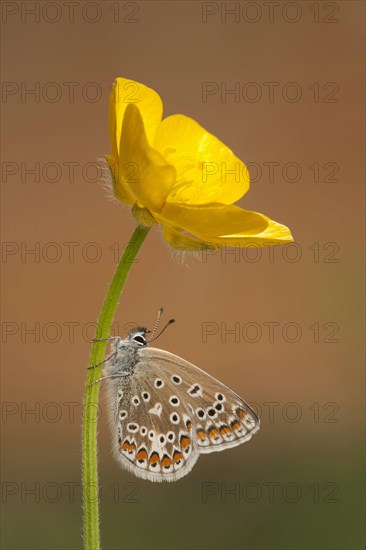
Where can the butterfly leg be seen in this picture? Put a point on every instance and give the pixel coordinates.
(106, 339)
(104, 360)
(104, 377)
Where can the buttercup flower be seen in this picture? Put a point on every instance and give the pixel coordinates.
(173, 172)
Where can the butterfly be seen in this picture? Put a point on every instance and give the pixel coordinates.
(165, 412)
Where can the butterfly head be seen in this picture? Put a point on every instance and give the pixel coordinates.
(137, 336)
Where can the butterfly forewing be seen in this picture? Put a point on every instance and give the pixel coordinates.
(220, 418)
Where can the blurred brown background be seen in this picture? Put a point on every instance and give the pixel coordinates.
(298, 484)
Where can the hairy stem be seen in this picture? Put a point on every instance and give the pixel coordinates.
(91, 396)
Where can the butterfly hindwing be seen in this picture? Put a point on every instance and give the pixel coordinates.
(155, 439)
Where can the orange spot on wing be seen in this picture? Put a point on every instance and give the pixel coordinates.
(177, 457)
(201, 434)
(235, 425)
(125, 446)
(225, 430)
(241, 413)
(213, 432)
(184, 441)
(166, 461)
(141, 455)
(154, 458)
(189, 425)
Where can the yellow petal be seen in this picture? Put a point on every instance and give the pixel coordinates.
(182, 241)
(275, 233)
(142, 170)
(121, 192)
(207, 170)
(225, 224)
(213, 219)
(125, 92)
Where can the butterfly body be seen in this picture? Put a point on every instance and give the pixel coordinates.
(165, 412)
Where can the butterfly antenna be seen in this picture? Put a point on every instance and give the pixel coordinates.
(151, 339)
(160, 313)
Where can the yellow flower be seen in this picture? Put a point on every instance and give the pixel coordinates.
(173, 172)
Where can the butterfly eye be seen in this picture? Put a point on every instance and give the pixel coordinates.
(140, 340)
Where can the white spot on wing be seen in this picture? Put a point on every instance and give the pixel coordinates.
(156, 409)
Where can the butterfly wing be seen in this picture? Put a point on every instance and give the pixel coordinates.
(169, 411)
(217, 416)
(154, 437)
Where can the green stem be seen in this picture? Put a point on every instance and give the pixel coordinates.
(91, 396)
